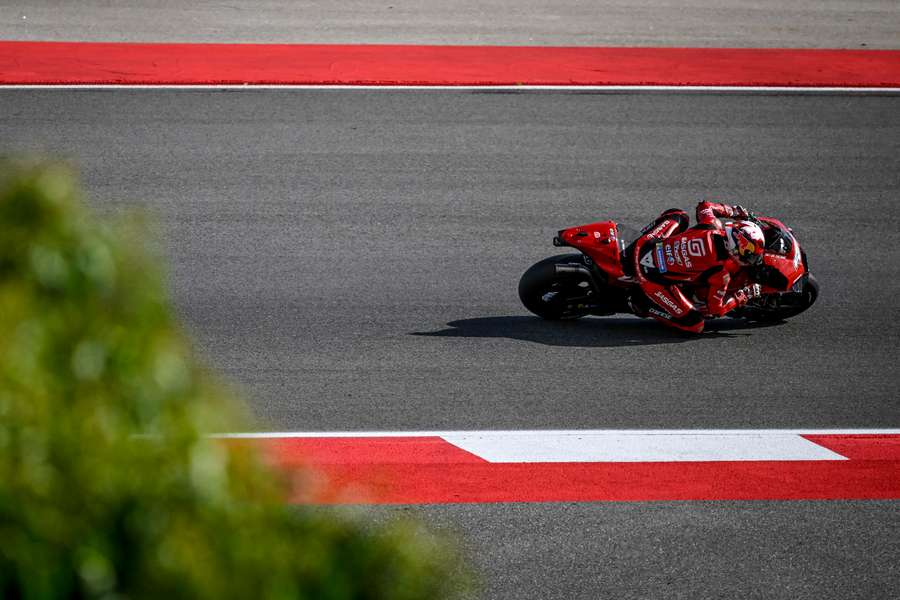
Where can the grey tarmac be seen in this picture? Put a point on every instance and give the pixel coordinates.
(795, 550)
(350, 259)
(699, 23)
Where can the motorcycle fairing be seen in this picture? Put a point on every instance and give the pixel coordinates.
(600, 241)
(783, 254)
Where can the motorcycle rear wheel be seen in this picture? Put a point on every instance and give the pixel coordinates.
(552, 296)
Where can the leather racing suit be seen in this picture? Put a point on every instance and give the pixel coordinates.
(670, 254)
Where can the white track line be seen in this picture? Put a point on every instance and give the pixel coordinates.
(471, 88)
(554, 432)
(619, 446)
(637, 447)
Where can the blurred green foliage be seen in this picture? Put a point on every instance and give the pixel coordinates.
(108, 486)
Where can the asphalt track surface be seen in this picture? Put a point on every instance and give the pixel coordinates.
(350, 258)
(701, 23)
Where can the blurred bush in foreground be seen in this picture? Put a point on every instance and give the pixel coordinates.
(108, 487)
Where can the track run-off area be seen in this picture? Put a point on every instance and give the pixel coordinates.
(349, 259)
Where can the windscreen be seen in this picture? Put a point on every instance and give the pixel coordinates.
(778, 241)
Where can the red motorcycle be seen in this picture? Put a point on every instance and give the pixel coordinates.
(600, 280)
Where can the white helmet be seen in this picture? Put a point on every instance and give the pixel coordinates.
(746, 241)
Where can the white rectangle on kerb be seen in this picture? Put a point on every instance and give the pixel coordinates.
(608, 446)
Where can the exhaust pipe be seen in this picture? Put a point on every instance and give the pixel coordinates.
(576, 269)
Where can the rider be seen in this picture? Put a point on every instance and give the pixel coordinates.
(670, 254)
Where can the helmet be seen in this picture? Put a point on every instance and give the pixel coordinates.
(746, 241)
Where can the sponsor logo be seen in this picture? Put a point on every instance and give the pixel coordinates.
(684, 253)
(658, 229)
(729, 238)
(647, 261)
(672, 306)
(675, 252)
(659, 313)
(696, 248)
(660, 261)
(669, 256)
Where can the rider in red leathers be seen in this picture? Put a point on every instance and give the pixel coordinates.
(669, 254)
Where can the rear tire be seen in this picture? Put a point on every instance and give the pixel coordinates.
(550, 295)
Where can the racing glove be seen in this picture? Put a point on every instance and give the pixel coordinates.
(739, 212)
(745, 294)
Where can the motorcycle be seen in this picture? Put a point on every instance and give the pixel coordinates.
(600, 279)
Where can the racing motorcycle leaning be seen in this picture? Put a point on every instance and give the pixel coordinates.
(599, 279)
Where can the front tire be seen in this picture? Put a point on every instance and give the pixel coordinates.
(552, 296)
(778, 307)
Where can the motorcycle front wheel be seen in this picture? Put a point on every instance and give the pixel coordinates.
(778, 307)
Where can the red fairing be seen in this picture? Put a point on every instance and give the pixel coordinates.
(601, 242)
(790, 264)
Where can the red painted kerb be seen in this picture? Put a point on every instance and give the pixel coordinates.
(429, 470)
(257, 64)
